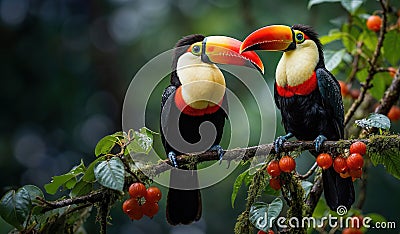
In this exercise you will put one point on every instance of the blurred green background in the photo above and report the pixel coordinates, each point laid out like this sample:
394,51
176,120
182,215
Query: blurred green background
66,65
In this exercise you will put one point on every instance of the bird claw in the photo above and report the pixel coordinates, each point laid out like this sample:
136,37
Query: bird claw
278,143
319,141
172,159
219,150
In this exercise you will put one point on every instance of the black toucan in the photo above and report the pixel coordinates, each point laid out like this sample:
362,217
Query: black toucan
308,96
193,113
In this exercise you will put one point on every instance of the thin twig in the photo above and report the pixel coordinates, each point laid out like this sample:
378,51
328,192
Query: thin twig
89,198
355,65
391,95
308,173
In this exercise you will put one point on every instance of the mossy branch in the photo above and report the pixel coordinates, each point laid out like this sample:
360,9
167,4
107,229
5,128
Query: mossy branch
248,153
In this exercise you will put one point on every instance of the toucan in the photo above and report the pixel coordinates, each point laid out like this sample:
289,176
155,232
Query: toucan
194,108
308,96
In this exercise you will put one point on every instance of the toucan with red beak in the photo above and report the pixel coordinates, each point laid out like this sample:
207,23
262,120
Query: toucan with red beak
308,96
194,109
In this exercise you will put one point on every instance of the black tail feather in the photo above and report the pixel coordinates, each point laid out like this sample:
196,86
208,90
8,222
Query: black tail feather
183,206
338,191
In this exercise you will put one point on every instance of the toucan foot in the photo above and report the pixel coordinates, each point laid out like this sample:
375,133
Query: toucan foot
278,143
172,159
219,150
319,141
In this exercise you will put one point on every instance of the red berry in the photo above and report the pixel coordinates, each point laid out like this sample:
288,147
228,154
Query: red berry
153,194
394,113
354,93
275,183
273,168
150,208
136,214
137,190
358,147
392,71
261,232
351,231
374,23
287,164
344,90
129,205
324,160
339,164
355,161
132,208
271,232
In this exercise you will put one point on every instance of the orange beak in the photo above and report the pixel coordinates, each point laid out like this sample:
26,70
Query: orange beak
271,38
225,50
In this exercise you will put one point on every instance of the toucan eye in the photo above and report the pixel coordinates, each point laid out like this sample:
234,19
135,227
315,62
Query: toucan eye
299,37
196,50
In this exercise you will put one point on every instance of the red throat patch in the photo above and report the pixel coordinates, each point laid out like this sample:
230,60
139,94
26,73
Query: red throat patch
302,89
188,110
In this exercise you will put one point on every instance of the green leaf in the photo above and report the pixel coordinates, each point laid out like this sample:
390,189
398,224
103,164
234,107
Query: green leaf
352,5
15,207
89,173
391,47
262,214
350,33
236,186
333,35
321,209
57,182
315,2
81,188
110,173
362,75
105,145
70,183
33,191
307,185
379,84
390,158
143,141
68,180
374,121
376,217
369,38
333,58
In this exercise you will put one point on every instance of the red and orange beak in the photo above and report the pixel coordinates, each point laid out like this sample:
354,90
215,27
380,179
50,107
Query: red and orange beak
225,50
272,38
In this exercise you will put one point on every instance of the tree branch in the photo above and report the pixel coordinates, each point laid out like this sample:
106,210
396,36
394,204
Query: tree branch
391,95
372,70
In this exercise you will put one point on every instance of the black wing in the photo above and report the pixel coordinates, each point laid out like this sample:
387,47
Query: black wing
165,109
332,98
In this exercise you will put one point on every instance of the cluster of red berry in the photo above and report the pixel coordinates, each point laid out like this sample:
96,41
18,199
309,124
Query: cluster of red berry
142,201
275,167
346,167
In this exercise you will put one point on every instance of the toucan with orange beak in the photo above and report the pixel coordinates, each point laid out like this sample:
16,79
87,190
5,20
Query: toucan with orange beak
308,96
194,109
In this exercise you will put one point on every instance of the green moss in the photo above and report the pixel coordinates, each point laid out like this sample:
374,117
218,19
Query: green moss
295,198
258,184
